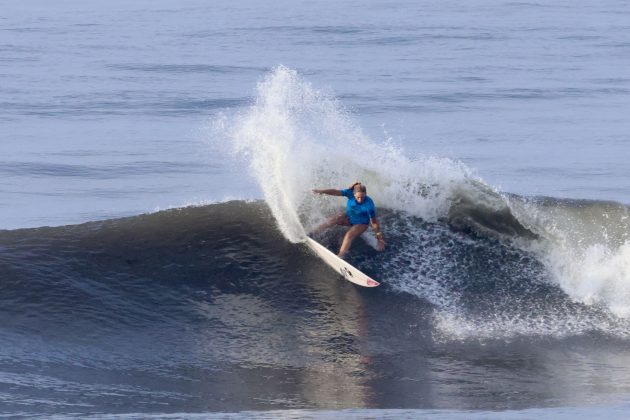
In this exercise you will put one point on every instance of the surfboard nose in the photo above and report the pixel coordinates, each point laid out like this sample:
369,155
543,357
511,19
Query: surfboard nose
372,283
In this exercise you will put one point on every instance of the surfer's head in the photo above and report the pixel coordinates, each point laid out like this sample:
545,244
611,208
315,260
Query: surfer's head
359,191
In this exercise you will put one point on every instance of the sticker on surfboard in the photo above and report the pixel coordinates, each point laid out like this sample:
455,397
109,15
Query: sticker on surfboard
348,272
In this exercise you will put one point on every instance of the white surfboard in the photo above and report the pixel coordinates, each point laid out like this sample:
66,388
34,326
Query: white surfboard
346,270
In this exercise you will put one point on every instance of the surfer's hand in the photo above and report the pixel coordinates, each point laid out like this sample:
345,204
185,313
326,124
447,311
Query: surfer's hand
380,245
317,191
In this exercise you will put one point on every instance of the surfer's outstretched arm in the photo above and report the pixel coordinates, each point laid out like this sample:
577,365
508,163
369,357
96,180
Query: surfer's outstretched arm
329,191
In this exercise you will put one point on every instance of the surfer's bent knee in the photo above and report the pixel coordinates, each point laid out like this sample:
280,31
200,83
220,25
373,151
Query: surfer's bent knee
357,229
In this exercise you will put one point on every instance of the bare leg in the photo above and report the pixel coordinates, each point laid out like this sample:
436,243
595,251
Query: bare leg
351,234
338,219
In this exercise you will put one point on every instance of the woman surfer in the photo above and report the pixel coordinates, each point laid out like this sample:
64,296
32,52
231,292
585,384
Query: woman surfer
360,213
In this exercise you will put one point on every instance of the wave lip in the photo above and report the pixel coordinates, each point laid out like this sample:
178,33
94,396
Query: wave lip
295,138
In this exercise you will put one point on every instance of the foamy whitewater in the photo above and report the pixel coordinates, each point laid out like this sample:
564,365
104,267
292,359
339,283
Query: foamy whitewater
157,161
296,138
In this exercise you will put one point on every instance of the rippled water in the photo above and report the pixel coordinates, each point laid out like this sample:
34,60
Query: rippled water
105,108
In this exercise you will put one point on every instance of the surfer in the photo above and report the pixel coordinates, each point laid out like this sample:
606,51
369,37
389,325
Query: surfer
360,213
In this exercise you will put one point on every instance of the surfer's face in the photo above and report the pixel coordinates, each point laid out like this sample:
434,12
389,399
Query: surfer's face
359,196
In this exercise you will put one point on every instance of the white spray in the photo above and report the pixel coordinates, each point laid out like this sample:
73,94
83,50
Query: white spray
586,247
297,138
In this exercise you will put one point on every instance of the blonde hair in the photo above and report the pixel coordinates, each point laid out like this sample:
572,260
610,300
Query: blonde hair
358,187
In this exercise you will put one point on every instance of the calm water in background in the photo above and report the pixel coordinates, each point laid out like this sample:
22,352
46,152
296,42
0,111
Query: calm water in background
104,107
112,110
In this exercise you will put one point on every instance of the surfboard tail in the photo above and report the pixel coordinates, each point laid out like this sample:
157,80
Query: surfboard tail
372,283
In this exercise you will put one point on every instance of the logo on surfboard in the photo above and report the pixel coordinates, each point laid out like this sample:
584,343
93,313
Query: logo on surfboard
347,274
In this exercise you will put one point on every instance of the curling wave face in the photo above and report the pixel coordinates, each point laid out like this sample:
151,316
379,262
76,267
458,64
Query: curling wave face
481,281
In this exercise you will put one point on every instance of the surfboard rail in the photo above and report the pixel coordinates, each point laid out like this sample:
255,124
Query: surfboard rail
350,273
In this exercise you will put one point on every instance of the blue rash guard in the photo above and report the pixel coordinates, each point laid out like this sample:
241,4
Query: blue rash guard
359,214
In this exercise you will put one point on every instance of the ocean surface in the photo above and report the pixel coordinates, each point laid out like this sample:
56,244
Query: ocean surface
156,166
